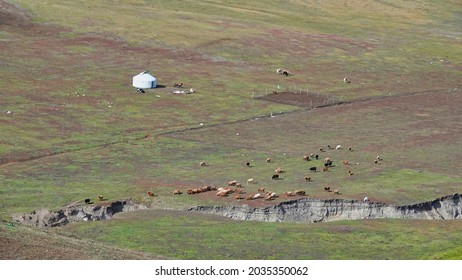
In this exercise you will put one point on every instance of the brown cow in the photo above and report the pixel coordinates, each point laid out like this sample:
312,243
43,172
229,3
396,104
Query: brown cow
336,191
307,178
150,193
177,192
261,189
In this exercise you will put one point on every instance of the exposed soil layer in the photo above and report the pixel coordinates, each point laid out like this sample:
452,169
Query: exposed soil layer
305,210
309,210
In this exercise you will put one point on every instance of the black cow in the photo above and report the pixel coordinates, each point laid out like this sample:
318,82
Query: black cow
275,177
87,201
313,168
140,90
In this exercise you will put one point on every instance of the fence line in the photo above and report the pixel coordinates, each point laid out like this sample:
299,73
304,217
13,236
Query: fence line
327,99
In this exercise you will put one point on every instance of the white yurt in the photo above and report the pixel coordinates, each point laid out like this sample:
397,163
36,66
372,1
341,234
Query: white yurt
144,80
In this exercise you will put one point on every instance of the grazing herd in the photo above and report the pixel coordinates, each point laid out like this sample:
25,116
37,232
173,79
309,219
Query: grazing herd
237,191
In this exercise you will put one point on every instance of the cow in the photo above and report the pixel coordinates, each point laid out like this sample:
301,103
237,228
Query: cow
275,177
202,163
306,158
140,90
366,199
313,169
279,170
177,192
327,189
178,85
87,201
150,193
100,197
325,169
261,189
336,191
268,160
250,181
307,178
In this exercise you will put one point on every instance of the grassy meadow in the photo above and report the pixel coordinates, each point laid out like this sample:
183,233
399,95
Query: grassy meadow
77,128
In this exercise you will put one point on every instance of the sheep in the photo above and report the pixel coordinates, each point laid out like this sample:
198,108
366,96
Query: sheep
327,189
238,190
345,162
177,192
261,189
376,161
202,163
150,193
250,181
327,160
275,177
307,178
302,193
140,90
237,197
87,201
289,194
222,194
313,169
100,197
330,147
325,169
338,147
283,72
321,149
205,189
350,149
366,199
279,170
349,172
232,183
306,158
336,191
268,160
379,158
178,85
346,80
249,197
258,195
247,164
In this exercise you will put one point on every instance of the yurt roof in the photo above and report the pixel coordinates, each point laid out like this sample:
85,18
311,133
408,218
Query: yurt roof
144,76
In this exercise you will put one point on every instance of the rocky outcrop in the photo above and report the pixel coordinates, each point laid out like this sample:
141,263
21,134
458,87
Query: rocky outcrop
46,218
311,210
